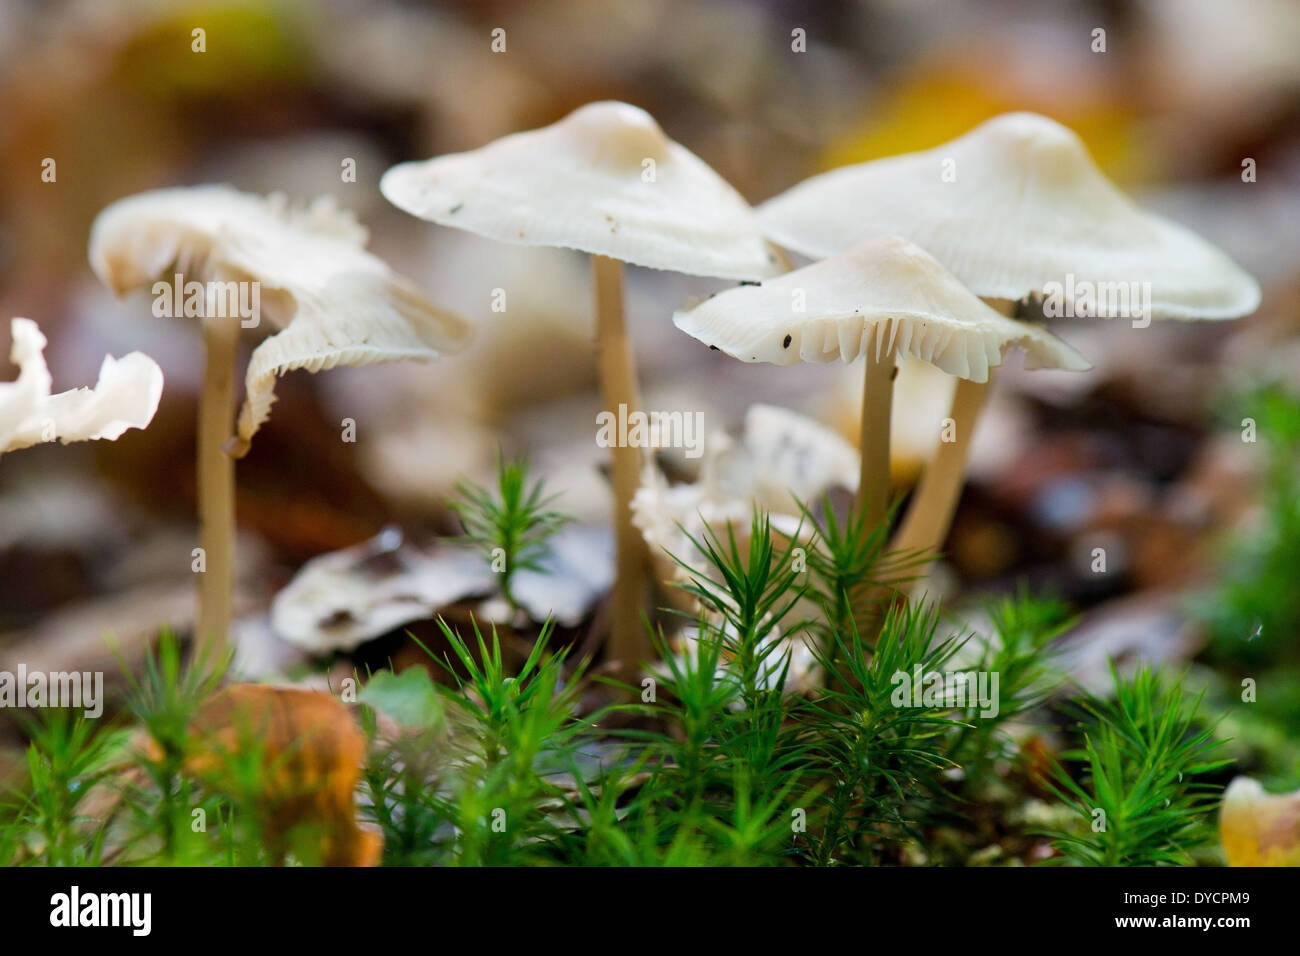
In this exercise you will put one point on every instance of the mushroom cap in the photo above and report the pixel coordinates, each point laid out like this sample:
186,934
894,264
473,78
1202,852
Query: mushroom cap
783,458
125,396
787,656
336,303
917,307
795,458
585,183
1027,207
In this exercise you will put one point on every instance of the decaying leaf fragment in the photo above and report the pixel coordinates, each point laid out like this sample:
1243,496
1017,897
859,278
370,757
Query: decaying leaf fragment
782,458
125,396
311,755
1258,828
340,600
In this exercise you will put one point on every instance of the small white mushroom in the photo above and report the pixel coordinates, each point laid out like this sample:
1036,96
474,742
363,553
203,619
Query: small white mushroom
783,458
334,302
882,298
1016,208
1010,208
125,396
604,180
803,675
794,458
249,257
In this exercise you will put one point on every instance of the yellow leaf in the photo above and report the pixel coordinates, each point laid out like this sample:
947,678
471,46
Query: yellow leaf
1258,828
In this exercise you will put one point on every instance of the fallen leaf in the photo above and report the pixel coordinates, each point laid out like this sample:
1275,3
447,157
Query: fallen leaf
1258,828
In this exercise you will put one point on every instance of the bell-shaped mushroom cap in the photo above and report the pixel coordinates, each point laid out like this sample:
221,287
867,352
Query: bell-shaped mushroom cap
824,312
1010,208
336,303
126,396
604,180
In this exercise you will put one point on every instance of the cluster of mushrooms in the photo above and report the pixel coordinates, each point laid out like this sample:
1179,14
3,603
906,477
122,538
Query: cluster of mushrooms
927,255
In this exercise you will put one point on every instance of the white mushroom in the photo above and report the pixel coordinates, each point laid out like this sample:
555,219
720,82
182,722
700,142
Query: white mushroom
604,180
778,652
883,298
1015,208
336,303
607,181
125,396
794,458
231,258
1010,208
781,460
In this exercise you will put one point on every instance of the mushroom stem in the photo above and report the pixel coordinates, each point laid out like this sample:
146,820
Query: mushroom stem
877,406
618,383
216,486
929,515
782,257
